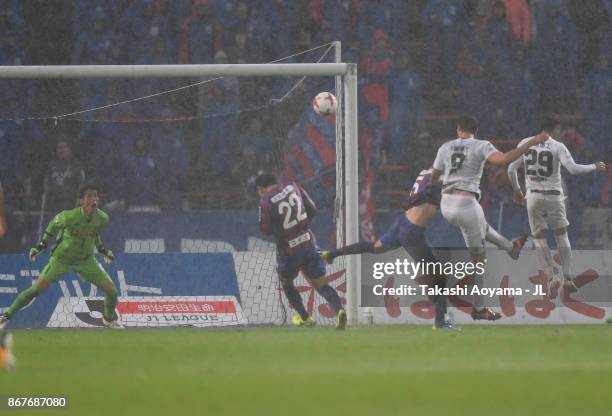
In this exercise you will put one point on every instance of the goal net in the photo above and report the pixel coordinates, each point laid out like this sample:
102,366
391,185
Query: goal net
175,156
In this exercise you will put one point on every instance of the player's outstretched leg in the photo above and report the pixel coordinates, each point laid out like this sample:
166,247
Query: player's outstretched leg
356,248
486,314
23,299
295,300
513,248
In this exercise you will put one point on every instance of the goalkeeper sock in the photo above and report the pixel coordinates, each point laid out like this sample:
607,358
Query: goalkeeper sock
356,248
24,298
295,300
331,296
492,236
110,302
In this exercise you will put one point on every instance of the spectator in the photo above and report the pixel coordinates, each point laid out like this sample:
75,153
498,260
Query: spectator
476,67
149,33
218,129
376,64
556,59
201,35
98,43
277,26
597,106
497,31
331,16
65,176
447,25
592,22
406,98
518,95
174,164
141,172
519,18
2,213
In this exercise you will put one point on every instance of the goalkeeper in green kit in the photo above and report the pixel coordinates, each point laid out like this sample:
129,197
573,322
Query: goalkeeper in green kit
77,233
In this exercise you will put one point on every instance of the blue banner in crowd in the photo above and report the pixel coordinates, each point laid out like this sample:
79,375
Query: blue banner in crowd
168,274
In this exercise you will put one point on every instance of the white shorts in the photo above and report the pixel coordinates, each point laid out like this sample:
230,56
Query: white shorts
466,213
544,213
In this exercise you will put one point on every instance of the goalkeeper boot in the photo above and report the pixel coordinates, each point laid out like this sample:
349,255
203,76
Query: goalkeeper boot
327,258
517,246
298,321
112,324
3,320
486,314
341,320
7,359
569,286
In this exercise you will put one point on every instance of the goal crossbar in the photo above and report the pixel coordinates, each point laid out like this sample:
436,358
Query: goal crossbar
171,71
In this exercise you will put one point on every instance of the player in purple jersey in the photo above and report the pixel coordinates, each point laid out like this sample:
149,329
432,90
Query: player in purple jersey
285,211
408,231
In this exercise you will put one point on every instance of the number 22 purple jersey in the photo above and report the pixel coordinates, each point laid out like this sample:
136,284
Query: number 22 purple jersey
285,212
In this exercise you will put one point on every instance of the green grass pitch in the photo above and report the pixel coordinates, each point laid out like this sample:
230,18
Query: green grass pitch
395,370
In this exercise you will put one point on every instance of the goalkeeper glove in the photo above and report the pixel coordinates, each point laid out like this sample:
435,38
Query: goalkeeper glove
37,249
108,254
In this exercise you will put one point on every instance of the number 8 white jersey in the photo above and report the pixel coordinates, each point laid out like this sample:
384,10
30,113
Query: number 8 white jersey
462,161
542,165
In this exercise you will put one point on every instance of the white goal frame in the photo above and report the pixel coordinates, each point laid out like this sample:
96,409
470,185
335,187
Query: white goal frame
346,76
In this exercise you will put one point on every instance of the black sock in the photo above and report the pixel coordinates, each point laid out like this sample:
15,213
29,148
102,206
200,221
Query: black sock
295,300
331,296
440,302
356,248
440,306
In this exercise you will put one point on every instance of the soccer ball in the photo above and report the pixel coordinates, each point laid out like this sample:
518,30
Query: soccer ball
325,103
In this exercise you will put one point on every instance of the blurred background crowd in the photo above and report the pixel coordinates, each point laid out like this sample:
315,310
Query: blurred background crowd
420,63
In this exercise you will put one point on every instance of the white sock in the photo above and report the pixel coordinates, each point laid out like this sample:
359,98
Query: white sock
492,236
565,253
543,253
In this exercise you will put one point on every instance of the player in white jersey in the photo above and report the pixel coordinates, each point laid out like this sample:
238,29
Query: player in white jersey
546,199
460,163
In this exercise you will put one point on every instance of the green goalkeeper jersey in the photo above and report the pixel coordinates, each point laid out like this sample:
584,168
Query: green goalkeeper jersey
76,234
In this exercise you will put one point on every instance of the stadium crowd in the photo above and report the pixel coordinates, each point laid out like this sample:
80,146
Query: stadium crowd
420,63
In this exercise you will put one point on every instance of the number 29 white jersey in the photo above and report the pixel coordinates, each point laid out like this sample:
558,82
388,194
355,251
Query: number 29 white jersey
462,161
542,164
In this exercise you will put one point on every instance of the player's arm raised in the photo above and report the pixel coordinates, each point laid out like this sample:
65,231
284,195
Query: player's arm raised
574,168
518,196
503,159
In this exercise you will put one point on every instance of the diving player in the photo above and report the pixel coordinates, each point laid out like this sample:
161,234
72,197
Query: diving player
77,234
408,231
285,211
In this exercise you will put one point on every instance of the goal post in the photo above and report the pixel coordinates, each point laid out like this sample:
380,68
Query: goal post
346,124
